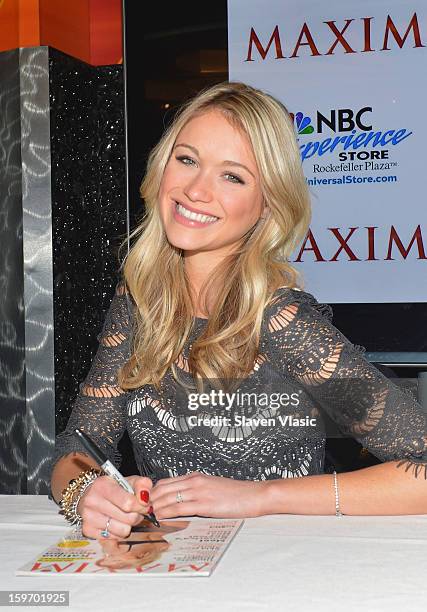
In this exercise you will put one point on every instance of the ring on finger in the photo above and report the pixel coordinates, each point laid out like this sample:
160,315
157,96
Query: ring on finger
105,533
179,498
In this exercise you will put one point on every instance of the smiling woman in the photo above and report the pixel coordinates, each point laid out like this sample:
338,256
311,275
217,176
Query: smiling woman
209,299
232,156
200,190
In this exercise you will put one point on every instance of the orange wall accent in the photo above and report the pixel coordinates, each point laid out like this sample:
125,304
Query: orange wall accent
64,24
90,30
106,32
9,24
29,23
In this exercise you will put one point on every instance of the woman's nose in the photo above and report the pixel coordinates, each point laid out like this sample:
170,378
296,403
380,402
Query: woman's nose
198,189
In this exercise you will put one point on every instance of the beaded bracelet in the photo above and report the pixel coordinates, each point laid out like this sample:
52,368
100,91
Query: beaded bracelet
337,497
73,493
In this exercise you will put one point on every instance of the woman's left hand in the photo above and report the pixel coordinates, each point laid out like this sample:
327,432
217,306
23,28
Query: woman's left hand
210,496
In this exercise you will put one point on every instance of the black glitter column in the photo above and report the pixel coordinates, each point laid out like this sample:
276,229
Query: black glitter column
88,211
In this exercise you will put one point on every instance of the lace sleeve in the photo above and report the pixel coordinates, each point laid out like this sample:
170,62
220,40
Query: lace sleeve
99,409
353,393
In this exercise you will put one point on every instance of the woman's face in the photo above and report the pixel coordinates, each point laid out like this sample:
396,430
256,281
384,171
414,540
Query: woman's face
130,553
212,173
144,545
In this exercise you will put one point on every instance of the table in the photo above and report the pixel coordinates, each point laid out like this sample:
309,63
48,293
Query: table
281,562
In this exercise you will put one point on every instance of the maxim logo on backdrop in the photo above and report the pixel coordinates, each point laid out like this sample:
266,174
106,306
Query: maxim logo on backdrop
368,249
371,36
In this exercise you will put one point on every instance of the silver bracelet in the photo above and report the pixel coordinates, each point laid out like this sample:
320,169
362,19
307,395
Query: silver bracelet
337,497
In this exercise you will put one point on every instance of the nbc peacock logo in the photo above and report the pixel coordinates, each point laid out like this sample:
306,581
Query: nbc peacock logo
302,123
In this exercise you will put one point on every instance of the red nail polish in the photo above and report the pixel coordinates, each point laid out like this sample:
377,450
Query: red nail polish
150,509
145,496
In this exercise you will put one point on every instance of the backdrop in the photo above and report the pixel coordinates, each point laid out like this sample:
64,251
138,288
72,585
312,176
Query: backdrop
353,75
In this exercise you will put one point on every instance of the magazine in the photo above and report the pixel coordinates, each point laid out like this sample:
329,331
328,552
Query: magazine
190,547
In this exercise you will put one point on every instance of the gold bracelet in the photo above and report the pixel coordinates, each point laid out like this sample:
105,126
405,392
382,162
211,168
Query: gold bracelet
72,494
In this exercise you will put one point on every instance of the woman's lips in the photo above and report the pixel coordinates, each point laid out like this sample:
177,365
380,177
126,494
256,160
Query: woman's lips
189,222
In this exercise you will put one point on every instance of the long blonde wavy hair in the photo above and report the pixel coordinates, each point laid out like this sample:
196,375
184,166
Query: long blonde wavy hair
241,285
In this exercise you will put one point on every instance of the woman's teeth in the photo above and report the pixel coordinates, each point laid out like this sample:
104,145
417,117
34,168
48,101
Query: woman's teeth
194,216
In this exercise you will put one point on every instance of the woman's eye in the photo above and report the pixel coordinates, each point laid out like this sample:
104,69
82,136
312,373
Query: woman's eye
233,178
187,161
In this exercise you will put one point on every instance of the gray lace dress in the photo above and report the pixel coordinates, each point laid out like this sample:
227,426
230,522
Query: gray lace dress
308,381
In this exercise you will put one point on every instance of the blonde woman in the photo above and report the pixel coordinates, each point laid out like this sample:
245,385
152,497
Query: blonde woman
208,298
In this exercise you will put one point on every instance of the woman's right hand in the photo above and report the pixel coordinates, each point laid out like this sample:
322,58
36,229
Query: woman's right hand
105,499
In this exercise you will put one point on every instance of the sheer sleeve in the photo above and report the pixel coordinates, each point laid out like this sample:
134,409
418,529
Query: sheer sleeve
99,409
364,404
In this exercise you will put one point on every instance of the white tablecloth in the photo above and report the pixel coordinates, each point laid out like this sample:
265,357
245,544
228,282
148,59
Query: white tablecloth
286,562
